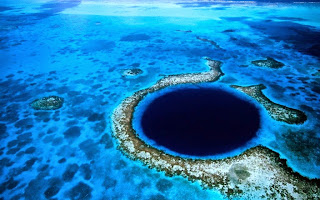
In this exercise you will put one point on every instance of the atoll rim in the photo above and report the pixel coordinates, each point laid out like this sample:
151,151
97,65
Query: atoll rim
256,173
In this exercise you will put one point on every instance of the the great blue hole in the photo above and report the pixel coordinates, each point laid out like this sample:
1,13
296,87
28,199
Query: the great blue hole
200,121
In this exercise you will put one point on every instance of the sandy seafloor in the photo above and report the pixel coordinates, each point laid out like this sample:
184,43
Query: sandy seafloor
79,50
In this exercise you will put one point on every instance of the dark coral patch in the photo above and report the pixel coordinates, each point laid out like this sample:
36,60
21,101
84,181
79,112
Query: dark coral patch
100,126
11,183
11,113
54,187
98,45
135,37
314,50
28,164
89,147
3,131
24,123
96,117
163,185
72,132
86,171
51,191
30,150
157,197
107,141
287,18
5,8
81,191
109,182
70,171
62,160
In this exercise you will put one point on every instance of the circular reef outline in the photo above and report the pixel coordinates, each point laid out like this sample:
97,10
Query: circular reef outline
257,173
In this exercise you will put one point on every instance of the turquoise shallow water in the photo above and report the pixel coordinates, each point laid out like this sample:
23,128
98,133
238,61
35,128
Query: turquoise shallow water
79,50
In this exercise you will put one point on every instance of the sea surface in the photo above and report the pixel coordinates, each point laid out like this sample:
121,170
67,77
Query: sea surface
79,50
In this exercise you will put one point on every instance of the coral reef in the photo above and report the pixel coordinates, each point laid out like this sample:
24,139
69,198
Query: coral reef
47,103
258,173
210,41
270,63
132,72
276,111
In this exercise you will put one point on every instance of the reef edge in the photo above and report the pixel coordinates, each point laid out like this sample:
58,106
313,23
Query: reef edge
258,172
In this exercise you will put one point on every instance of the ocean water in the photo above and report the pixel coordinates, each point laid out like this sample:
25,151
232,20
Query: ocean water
199,121
79,50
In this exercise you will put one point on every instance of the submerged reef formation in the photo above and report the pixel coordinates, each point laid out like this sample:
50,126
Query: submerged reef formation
316,73
258,173
184,31
132,72
47,103
276,111
270,63
210,41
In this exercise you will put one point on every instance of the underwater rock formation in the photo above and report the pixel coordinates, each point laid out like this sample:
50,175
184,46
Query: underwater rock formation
270,63
276,111
135,37
132,72
316,73
258,173
47,103
210,41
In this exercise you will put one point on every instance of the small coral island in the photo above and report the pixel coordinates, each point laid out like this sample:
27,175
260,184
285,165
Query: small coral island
47,103
132,72
257,173
269,63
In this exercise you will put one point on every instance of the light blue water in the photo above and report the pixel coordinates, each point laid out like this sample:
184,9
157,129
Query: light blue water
79,50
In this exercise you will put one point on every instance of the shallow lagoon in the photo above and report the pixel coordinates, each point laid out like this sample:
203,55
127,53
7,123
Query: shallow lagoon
79,51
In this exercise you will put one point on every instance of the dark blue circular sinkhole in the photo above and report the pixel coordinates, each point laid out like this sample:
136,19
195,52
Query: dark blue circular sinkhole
200,121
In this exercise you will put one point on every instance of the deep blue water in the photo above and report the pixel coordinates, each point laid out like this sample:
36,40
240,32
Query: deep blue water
79,50
200,122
